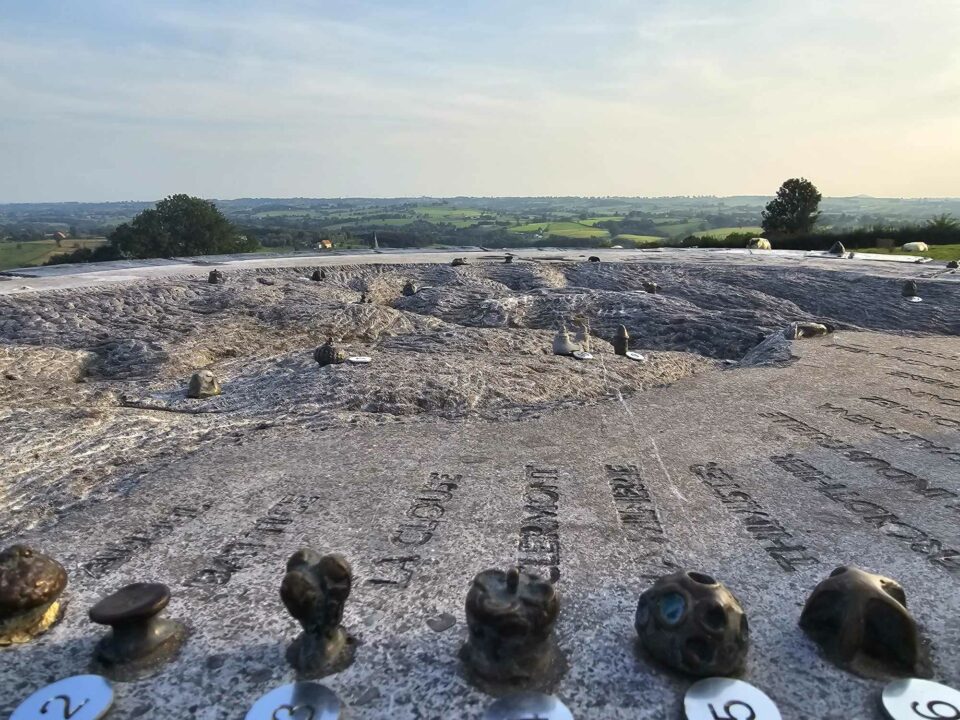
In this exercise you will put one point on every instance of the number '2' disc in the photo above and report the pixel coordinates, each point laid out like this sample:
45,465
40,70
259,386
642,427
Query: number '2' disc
915,699
728,699
81,697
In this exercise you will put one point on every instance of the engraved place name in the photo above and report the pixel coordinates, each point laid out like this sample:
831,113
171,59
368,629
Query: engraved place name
538,545
929,353
913,412
116,554
422,521
873,514
949,402
779,543
640,519
240,552
876,353
920,486
903,436
945,384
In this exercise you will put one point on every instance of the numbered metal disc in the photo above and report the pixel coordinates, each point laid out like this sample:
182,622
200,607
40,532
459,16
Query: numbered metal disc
358,359
582,355
297,701
81,697
728,699
914,298
635,356
528,706
916,699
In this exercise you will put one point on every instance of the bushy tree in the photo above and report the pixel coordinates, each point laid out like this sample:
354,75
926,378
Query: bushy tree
179,225
794,209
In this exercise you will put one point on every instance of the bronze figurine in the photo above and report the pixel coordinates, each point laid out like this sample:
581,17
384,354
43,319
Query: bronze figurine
31,584
203,384
329,354
621,341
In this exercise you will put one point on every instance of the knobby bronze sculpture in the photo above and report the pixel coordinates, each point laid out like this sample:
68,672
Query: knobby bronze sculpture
203,384
315,591
510,617
329,354
216,277
621,341
692,623
861,621
31,584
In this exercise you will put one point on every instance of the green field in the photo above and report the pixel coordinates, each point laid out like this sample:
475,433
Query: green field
723,232
937,252
562,229
37,252
640,239
595,220
681,229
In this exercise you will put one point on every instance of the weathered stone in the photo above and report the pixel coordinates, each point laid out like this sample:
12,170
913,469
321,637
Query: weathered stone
216,277
692,623
562,344
456,262
314,591
203,384
329,354
319,275
651,287
140,640
860,619
759,243
510,617
953,264
409,289
621,341
30,587
798,330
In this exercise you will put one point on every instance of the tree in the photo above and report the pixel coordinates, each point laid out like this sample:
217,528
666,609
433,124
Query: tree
179,225
794,210
943,223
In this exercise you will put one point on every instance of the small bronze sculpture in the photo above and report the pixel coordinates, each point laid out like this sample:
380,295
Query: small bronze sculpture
510,617
562,344
594,258
621,341
910,289
798,330
953,264
651,287
858,617
409,289
30,587
203,384
215,277
692,623
457,262
582,337
837,249
329,354
314,591
139,639
318,275
508,259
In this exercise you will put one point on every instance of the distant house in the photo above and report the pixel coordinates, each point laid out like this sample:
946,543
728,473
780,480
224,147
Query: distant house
59,236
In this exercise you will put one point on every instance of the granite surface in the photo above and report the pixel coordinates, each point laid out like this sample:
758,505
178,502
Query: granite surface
878,413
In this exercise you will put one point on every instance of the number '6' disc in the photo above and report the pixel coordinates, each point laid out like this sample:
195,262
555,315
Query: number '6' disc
728,699
81,697
915,699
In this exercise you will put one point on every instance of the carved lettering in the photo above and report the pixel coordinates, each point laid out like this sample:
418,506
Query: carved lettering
538,544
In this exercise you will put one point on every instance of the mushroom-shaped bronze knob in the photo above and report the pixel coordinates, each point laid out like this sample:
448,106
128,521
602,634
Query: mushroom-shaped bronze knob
621,341
910,288
457,262
694,624
329,354
139,638
510,616
215,277
30,587
203,384
315,591
860,619
508,259
318,275
409,288
651,287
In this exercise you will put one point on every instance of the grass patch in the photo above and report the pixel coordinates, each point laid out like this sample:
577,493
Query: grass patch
937,252
640,239
562,229
37,252
723,232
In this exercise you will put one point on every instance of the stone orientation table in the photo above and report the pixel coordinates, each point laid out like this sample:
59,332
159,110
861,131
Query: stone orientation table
766,478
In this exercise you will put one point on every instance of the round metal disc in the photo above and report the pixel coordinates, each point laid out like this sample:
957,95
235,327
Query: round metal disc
528,706
914,699
358,359
297,701
914,298
81,697
635,356
728,699
582,355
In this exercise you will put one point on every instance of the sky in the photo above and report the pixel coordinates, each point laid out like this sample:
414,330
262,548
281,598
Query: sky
134,100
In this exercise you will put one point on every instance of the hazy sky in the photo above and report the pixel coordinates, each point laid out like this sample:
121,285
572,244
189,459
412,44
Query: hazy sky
136,100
